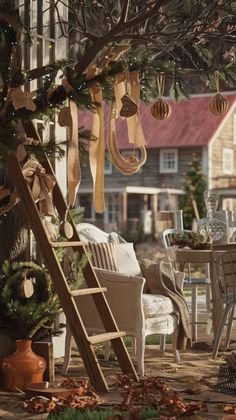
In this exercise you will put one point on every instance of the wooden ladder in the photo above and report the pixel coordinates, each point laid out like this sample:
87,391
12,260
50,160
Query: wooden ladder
83,340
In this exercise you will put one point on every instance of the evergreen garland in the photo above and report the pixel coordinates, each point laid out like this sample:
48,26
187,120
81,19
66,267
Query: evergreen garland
29,318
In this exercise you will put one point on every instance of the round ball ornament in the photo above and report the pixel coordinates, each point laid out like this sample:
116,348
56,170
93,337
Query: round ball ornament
218,104
161,110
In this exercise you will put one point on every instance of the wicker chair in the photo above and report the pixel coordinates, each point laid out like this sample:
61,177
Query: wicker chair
128,304
226,273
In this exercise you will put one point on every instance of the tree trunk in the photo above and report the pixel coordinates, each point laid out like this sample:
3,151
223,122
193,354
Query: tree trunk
13,229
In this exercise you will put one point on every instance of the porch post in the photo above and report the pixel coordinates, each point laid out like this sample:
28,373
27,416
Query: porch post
154,202
124,210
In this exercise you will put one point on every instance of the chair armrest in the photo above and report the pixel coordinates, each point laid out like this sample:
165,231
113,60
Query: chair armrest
120,279
124,296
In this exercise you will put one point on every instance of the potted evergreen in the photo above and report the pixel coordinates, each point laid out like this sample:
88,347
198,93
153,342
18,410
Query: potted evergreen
28,307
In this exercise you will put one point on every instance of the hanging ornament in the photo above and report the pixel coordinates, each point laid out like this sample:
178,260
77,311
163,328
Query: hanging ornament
22,99
66,229
218,104
26,288
160,110
64,117
127,165
129,106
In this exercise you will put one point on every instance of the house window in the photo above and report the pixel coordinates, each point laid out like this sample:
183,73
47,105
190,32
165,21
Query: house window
113,215
85,203
108,164
228,161
168,161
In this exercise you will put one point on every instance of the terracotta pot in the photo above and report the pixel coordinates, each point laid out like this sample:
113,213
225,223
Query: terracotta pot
23,367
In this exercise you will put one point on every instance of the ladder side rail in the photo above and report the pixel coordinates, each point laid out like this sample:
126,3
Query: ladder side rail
100,300
58,278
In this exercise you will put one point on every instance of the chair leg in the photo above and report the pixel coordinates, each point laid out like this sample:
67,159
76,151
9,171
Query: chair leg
209,325
162,343
68,342
140,340
194,313
220,330
174,345
229,327
134,345
208,298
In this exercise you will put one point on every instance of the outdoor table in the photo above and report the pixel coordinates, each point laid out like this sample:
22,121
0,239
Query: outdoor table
207,256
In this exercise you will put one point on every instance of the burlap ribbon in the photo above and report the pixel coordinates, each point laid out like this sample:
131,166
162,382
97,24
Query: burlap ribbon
135,131
96,150
127,165
73,162
41,185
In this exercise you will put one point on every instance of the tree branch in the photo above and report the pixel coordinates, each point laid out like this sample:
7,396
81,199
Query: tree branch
124,12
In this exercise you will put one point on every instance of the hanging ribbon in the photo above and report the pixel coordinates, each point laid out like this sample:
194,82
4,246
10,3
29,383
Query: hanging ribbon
97,150
127,165
69,116
135,131
41,185
73,162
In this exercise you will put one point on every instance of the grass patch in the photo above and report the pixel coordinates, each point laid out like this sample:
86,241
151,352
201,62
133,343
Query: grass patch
200,292
98,414
151,339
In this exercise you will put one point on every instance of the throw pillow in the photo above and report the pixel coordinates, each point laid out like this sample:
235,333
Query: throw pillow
126,260
151,272
103,255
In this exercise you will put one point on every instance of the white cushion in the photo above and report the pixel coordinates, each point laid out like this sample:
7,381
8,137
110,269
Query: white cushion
126,260
91,233
156,305
161,325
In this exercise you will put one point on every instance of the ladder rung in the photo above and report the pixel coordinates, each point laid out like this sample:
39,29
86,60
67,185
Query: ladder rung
99,338
67,244
88,291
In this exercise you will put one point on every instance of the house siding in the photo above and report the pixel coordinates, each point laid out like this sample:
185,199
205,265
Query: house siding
223,140
149,175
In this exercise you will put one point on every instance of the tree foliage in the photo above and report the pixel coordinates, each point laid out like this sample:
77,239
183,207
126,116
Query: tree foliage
183,39
194,187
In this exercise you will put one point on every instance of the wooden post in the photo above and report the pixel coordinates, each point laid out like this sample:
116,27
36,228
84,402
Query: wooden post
124,210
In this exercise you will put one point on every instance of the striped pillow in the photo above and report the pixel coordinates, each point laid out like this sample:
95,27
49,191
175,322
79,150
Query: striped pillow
103,255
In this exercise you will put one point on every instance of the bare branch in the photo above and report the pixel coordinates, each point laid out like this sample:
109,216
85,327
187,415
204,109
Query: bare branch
124,12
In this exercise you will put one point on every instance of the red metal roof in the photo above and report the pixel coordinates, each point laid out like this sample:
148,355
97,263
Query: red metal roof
190,124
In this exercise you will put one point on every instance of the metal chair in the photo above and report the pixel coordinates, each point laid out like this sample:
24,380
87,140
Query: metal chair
191,283
226,273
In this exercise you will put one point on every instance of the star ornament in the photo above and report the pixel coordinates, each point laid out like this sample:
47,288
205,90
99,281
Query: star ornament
22,99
